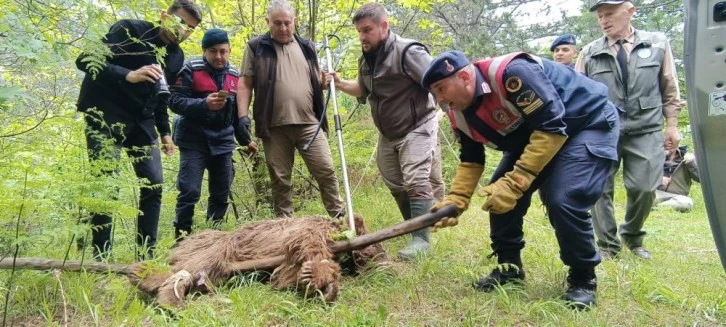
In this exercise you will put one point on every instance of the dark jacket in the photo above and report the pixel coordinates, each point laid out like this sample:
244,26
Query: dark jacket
264,81
197,127
119,100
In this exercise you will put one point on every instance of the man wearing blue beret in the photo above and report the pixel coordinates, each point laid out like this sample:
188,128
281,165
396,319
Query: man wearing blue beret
564,50
558,133
204,98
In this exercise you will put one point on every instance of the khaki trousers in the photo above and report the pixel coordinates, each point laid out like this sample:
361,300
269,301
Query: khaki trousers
280,156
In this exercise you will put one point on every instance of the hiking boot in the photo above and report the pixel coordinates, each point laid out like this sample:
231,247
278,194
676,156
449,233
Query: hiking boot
642,253
582,285
504,273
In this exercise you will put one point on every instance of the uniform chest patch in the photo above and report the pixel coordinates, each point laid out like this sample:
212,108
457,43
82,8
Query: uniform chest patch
500,116
644,53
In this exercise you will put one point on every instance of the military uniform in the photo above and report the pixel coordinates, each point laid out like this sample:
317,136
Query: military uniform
558,132
205,139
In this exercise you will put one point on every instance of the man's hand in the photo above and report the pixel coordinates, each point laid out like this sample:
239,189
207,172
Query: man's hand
327,77
148,73
672,138
251,148
465,181
503,194
215,102
242,133
167,145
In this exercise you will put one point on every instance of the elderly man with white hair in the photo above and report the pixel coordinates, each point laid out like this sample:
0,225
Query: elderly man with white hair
639,70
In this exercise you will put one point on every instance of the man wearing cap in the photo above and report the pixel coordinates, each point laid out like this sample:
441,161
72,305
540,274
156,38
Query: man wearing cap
125,104
639,71
203,97
558,133
282,71
564,50
389,75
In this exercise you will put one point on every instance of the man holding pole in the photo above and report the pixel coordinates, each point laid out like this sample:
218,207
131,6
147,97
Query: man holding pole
389,72
282,70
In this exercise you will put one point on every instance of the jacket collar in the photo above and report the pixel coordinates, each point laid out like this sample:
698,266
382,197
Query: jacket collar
636,37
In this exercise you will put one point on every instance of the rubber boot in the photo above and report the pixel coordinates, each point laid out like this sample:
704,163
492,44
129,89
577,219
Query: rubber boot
404,205
582,288
419,239
509,270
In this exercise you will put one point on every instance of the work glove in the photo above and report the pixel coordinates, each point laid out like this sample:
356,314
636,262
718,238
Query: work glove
465,181
242,131
502,195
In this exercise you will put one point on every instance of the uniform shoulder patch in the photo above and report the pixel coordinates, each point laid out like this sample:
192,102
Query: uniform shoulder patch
513,84
528,101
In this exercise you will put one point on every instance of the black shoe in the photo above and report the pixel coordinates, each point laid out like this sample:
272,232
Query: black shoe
607,254
642,253
582,288
502,274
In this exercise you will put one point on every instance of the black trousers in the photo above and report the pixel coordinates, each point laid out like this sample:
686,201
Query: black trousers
104,150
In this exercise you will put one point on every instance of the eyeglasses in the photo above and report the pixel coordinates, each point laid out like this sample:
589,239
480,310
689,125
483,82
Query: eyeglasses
179,22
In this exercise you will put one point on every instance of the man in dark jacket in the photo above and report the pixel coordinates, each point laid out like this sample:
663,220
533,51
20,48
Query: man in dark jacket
204,97
125,100
282,70
557,131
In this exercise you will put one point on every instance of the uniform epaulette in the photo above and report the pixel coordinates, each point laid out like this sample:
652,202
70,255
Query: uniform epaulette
196,63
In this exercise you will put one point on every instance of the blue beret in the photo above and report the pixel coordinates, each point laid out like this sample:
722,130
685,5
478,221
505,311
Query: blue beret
563,39
213,37
606,2
443,66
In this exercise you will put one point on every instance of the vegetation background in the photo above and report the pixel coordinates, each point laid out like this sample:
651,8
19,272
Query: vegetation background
46,190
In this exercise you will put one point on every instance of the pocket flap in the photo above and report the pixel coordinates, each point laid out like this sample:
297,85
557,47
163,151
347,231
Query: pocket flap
602,150
601,70
650,102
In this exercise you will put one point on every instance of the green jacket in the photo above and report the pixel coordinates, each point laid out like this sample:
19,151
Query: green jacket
642,104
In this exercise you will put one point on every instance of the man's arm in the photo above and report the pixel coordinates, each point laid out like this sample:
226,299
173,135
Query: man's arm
580,63
244,95
416,61
181,101
671,99
119,43
351,87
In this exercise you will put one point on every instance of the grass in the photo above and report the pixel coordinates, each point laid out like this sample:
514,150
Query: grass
683,286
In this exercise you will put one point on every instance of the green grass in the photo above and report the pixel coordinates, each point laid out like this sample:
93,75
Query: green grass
684,285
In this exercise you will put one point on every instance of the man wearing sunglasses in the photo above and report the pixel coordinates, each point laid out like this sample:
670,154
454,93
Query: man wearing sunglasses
125,102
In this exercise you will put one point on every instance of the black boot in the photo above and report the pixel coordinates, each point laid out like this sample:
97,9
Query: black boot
582,284
509,270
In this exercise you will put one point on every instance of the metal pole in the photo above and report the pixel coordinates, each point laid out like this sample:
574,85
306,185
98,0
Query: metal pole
339,132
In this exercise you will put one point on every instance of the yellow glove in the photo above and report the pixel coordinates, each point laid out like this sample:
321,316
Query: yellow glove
504,193
465,181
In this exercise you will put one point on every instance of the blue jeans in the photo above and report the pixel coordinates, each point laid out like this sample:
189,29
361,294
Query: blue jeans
147,165
189,183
